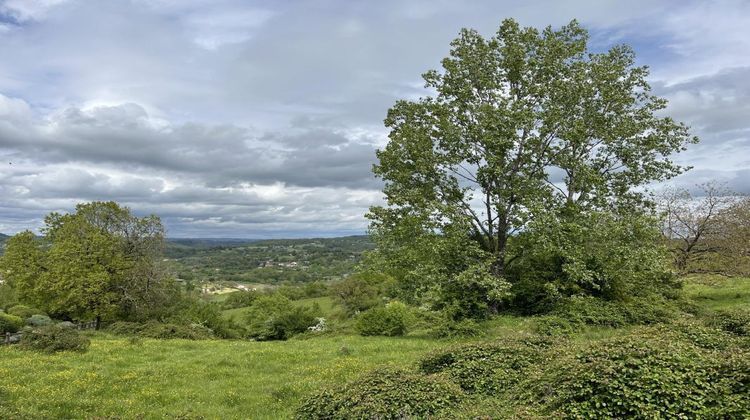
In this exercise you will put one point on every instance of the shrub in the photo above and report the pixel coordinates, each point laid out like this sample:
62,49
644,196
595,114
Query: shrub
24,312
590,311
10,323
555,326
39,320
383,394
275,317
52,338
361,291
125,328
161,330
170,331
240,299
455,329
486,368
734,321
649,310
648,374
611,256
389,320
192,311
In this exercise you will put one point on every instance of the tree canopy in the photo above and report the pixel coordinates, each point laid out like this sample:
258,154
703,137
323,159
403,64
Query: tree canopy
93,263
524,123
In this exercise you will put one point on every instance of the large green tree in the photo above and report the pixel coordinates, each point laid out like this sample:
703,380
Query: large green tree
100,261
520,124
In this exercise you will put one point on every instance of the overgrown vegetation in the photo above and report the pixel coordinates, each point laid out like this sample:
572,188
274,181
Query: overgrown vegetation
54,338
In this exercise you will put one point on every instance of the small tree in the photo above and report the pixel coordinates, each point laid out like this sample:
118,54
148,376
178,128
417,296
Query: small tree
694,226
97,262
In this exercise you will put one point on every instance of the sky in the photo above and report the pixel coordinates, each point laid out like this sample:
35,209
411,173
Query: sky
260,119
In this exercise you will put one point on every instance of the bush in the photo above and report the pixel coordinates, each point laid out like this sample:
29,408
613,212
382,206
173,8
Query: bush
160,330
734,321
274,317
10,323
383,394
39,320
125,328
555,326
457,329
614,257
24,311
361,291
486,368
590,310
170,331
191,311
240,299
389,320
52,338
648,374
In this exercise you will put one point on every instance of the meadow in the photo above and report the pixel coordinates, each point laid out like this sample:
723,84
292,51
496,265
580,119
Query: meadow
122,377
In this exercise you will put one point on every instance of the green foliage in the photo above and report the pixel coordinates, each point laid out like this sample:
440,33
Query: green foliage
24,311
385,393
474,293
556,326
734,321
650,374
240,299
167,331
486,368
279,261
613,257
450,328
471,164
361,291
101,262
153,329
274,317
10,323
8,295
190,311
53,338
390,320
39,320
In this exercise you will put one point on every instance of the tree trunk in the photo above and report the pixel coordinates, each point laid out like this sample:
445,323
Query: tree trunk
498,266
98,322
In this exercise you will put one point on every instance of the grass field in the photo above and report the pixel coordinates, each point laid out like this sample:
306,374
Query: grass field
719,292
180,378
144,378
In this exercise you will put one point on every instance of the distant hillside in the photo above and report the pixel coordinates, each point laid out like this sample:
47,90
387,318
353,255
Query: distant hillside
270,261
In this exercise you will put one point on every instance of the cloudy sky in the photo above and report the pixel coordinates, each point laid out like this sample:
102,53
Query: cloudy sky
260,118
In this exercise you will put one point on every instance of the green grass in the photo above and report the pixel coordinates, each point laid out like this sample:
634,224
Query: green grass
171,378
718,292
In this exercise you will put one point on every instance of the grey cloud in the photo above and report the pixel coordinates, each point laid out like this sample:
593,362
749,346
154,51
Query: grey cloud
242,118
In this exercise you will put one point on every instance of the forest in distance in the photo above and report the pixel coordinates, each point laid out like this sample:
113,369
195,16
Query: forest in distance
531,258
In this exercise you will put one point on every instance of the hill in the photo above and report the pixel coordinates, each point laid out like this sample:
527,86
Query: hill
266,261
